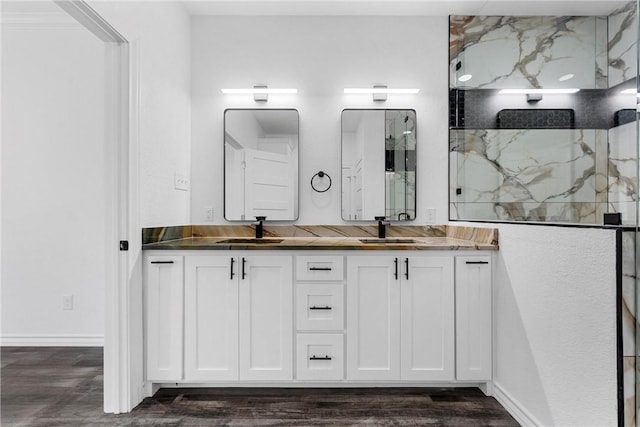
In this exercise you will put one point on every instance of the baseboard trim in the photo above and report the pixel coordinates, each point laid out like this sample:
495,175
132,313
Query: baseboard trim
514,407
52,341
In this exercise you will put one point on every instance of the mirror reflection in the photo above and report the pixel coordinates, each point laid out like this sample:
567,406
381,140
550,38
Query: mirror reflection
378,164
261,164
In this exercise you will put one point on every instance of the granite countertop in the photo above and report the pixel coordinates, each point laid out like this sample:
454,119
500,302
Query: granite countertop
321,238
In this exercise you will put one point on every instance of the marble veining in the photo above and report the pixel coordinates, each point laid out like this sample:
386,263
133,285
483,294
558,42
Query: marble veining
526,51
527,174
622,44
329,237
622,184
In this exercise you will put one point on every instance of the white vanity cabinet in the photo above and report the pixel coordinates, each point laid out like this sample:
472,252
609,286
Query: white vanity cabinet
320,317
473,318
392,316
211,318
238,318
163,317
400,318
266,317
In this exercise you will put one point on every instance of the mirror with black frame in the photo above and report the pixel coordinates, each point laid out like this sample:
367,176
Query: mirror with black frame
378,164
261,164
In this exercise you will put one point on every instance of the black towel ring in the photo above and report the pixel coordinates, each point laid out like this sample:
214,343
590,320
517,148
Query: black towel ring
320,174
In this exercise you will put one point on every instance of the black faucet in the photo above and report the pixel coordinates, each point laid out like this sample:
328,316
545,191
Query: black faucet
382,233
259,228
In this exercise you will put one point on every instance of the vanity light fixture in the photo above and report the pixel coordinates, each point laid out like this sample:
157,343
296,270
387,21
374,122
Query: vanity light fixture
537,91
379,92
259,92
465,77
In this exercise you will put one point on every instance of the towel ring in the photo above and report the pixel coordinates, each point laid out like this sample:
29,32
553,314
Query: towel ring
320,174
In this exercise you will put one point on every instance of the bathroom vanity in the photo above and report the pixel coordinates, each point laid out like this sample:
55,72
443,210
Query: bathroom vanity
297,308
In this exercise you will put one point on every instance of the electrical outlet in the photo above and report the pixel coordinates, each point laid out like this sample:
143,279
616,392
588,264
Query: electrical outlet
67,302
431,216
209,213
181,182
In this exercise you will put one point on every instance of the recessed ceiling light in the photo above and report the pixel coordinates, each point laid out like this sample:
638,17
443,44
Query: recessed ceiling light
541,91
566,77
465,77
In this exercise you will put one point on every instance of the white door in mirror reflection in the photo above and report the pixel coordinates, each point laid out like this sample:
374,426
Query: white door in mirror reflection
261,164
268,185
259,183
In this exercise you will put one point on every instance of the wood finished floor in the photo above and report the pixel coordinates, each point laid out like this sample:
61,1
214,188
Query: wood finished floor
54,386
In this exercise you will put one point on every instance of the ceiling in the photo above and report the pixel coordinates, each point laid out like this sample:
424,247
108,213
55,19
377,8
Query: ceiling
401,7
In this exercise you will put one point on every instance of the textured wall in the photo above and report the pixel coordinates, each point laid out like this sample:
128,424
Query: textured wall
555,330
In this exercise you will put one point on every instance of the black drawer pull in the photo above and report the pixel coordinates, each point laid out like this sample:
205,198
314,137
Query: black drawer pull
477,262
314,357
161,262
313,307
319,268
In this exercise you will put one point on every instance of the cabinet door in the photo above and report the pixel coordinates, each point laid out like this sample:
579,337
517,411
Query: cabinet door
211,318
266,318
473,318
373,318
427,319
164,317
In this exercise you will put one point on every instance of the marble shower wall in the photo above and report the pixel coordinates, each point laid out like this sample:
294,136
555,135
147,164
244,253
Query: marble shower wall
528,175
622,44
543,174
629,326
622,184
528,52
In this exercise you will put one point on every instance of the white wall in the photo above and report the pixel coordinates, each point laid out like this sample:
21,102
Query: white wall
554,287
554,320
320,56
159,33
53,210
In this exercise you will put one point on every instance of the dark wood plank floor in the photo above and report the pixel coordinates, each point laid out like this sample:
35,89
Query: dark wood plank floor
53,386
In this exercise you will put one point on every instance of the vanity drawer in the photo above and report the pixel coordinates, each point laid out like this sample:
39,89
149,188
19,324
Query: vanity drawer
319,307
320,357
319,268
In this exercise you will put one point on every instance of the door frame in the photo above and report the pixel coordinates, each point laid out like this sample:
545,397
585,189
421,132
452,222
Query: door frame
122,355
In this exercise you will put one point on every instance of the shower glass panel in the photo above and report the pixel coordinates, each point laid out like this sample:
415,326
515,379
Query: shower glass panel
540,129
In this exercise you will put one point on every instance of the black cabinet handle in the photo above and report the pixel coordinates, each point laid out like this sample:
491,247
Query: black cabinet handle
161,262
314,357
395,261
313,307
406,266
232,273
320,268
244,274
477,262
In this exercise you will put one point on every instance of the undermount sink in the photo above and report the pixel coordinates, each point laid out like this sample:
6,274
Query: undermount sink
250,240
385,240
